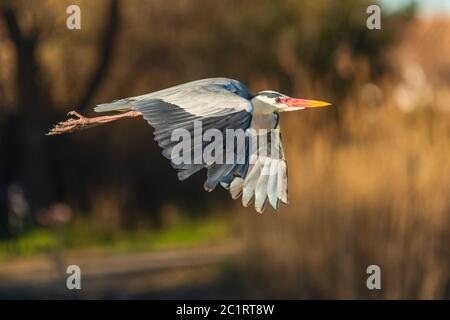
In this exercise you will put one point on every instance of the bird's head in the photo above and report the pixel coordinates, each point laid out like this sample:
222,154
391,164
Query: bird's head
279,102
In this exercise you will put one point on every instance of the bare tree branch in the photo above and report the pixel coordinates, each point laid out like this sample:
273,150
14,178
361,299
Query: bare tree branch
105,55
12,25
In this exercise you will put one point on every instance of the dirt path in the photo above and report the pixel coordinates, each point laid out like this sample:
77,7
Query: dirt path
174,273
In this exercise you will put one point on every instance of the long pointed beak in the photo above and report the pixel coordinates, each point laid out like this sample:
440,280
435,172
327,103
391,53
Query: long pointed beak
302,103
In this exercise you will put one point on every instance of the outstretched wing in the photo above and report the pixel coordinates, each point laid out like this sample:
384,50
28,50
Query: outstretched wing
266,179
218,103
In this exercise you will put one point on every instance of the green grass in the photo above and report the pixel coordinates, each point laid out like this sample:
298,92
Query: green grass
83,234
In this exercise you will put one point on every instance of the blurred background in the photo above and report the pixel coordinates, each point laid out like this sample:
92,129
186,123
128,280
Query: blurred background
369,178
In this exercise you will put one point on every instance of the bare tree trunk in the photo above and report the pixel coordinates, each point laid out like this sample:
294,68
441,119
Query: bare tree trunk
110,35
35,105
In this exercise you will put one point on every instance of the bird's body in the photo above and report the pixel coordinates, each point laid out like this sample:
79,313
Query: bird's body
219,104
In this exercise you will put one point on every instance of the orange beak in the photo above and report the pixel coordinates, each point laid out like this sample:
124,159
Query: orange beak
302,103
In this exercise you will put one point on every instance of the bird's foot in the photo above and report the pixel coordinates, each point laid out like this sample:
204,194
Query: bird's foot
78,122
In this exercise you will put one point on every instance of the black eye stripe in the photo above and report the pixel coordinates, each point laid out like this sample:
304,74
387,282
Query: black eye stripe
271,94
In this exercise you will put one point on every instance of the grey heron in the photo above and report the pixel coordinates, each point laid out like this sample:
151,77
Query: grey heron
220,103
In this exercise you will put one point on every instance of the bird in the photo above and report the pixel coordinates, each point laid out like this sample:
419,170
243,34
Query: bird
221,104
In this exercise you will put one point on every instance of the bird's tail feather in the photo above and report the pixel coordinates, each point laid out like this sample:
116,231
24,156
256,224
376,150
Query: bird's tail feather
117,105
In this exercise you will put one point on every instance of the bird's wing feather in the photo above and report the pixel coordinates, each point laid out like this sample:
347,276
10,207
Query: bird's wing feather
206,97
218,103
266,179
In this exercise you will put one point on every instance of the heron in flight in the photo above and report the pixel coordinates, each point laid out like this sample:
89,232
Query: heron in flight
219,103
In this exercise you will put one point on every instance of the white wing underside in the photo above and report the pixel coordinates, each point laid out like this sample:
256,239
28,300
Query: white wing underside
266,178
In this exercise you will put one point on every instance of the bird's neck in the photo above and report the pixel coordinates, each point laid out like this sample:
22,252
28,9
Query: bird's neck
263,115
261,106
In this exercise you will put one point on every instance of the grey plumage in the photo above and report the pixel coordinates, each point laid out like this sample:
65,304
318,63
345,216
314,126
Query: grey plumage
220,103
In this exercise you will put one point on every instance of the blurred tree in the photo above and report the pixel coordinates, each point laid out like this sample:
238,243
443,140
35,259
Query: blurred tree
34,105
318,48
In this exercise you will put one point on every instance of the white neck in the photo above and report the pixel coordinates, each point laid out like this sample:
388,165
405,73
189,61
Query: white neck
263,104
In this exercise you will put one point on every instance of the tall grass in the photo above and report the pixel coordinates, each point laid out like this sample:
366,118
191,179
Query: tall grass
376,190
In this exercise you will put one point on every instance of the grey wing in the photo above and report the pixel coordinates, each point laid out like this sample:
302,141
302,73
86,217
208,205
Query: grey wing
194,97
167,118
266,177
218,103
